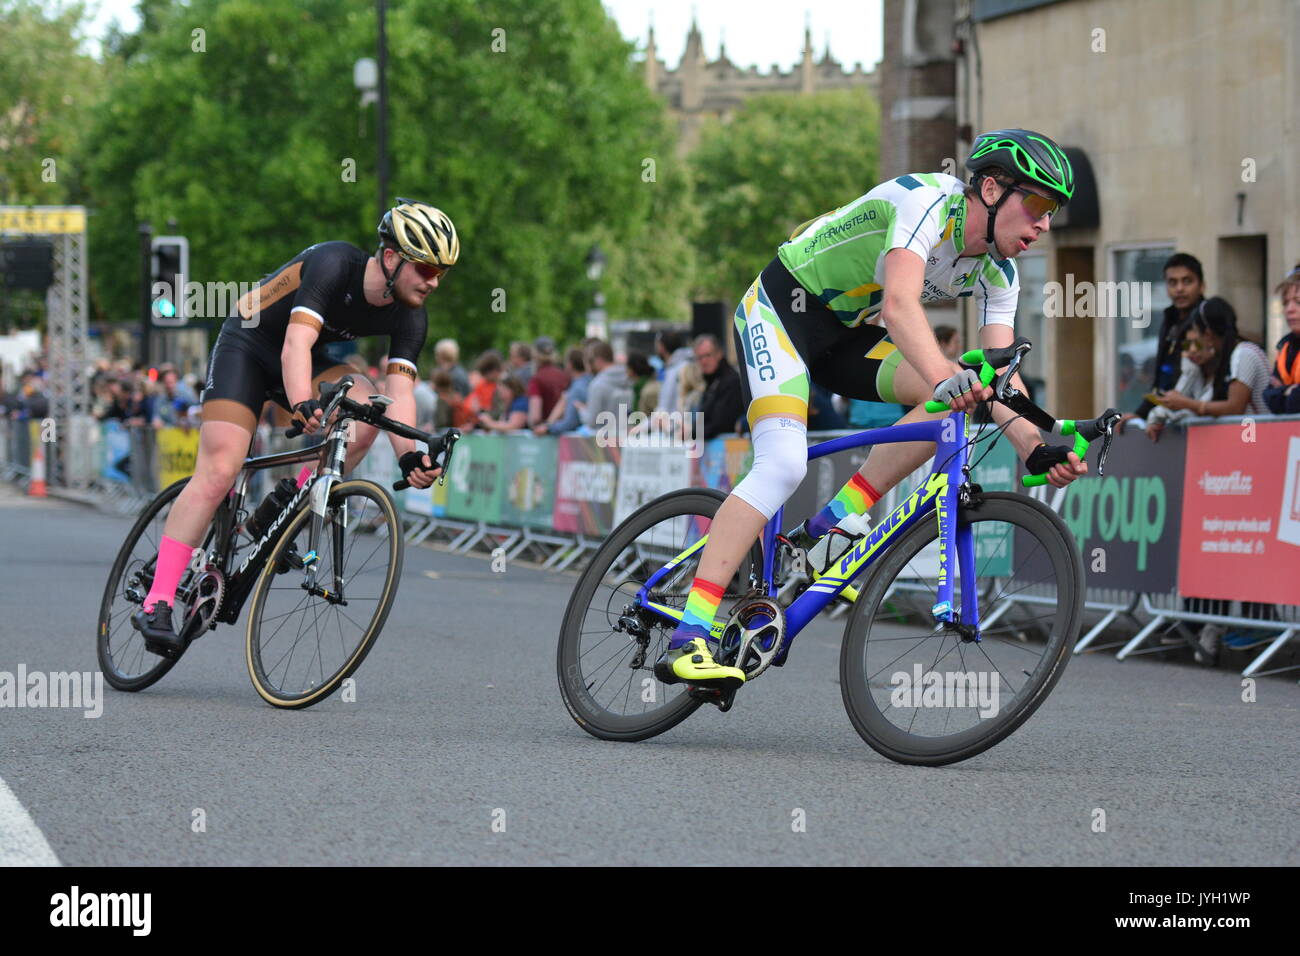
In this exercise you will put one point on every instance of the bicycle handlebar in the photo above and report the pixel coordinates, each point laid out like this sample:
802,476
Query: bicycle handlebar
988,361
334,395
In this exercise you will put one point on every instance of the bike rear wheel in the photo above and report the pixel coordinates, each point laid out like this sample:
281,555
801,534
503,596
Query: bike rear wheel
921,696
125,662
606,674
301,646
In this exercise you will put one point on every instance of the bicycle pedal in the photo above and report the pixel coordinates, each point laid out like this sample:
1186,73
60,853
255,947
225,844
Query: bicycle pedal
721,699
166,652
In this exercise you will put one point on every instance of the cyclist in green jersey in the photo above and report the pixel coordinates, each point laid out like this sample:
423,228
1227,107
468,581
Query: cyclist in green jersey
915,239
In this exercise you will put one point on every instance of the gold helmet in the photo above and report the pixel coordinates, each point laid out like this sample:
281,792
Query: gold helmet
420,233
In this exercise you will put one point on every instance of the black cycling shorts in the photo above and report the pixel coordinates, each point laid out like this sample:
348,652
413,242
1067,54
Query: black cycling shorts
244,372
857,362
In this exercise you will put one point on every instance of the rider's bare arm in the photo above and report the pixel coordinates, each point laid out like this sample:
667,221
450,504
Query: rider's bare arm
295,356
401,389
904,317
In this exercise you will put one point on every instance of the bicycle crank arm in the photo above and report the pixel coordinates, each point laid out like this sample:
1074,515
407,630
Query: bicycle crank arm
756,631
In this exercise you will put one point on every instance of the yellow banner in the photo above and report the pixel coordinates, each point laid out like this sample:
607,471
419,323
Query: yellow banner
177,450
57,220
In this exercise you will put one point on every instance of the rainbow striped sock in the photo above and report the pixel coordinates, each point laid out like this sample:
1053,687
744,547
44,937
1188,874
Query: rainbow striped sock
854,498
701,608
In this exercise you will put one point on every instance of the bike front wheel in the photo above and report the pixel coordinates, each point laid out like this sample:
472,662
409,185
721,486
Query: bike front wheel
303,644
920,693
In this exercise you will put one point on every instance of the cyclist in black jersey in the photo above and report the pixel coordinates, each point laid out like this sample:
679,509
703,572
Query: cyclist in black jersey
272,348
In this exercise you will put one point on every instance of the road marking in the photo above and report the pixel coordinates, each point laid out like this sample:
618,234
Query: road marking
21,841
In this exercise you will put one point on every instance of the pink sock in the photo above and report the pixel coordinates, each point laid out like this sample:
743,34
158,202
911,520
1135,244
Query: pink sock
173,556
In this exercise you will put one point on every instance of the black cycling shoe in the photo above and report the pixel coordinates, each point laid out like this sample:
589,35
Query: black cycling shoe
156,626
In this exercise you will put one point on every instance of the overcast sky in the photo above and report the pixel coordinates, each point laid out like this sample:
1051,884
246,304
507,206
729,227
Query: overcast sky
758,32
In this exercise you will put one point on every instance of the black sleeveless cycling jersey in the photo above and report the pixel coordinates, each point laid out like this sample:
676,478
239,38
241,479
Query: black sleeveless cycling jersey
321,287
324,283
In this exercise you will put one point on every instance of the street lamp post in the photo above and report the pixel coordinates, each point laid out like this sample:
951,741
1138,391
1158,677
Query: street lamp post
145,232
370,76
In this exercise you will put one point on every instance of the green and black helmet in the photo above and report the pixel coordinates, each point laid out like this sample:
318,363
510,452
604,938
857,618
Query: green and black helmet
1028,156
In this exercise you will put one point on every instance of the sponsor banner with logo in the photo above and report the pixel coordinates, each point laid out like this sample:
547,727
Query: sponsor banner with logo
529,475
709,470
738,458
645,473
721,463
1241,512
995,470
116,452
475,485
586,484
1126,522
177,450
428,502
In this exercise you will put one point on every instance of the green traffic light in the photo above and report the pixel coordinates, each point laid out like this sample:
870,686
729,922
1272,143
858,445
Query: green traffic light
166,308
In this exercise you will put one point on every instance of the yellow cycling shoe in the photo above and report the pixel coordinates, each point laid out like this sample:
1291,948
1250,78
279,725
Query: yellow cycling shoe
693,664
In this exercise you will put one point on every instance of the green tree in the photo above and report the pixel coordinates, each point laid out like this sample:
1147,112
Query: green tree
49,89
523,120
651,271
780,161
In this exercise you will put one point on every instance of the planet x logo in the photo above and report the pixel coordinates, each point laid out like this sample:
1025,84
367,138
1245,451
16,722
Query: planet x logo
75,909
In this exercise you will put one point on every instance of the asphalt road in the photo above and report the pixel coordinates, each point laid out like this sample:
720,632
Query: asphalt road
458,725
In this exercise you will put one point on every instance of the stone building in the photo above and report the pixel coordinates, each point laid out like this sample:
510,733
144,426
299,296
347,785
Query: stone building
1181,119
699,87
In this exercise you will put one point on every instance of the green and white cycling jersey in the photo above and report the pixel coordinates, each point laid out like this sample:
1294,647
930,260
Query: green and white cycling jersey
840,257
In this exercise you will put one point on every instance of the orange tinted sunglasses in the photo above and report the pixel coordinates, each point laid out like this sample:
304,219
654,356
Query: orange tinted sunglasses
1037,206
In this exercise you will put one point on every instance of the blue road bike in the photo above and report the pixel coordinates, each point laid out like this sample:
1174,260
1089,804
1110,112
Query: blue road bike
963,624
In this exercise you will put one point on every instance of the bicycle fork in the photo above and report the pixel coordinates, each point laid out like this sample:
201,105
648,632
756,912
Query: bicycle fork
330,475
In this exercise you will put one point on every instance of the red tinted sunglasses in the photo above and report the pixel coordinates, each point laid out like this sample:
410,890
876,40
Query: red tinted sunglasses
426,271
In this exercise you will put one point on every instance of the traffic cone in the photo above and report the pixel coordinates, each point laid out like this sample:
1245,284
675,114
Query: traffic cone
36,488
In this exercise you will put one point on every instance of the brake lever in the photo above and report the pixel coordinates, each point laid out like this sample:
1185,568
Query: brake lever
1108,436
448,442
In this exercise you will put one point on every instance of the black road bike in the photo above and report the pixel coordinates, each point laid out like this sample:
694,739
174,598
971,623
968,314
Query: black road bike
322,573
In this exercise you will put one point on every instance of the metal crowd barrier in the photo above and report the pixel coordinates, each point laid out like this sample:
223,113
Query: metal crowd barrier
1144,616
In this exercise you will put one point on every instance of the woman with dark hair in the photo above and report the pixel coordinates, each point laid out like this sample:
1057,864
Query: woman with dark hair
1223,374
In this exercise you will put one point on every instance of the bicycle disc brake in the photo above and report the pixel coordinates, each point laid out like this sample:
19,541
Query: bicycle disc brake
756,631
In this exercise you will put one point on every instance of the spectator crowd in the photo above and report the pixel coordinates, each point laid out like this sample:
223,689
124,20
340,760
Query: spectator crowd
1203,367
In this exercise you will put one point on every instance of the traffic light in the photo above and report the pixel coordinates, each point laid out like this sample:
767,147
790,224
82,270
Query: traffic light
168,273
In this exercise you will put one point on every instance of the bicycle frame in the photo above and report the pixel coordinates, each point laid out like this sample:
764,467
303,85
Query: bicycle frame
939,493
239,582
